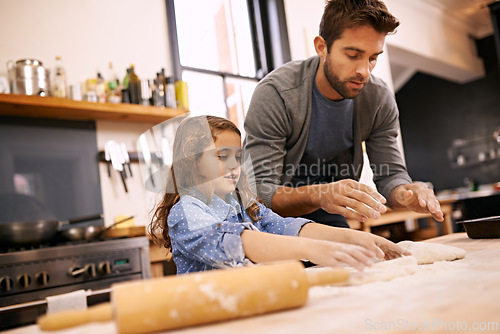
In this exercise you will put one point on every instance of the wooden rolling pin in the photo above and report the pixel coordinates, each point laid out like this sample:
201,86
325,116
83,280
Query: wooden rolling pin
181,301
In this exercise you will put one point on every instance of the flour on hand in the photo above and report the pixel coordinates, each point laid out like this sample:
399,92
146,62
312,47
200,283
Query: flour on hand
427,252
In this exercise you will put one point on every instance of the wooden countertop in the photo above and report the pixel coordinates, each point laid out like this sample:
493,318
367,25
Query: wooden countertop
438,296
465,291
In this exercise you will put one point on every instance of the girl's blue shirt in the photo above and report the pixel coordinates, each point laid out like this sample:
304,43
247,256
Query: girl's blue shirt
206,237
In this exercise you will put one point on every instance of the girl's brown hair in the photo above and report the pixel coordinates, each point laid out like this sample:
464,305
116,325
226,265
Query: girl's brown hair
343,14
192,136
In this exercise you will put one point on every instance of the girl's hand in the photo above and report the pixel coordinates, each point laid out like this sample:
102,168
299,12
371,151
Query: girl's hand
332,254
382,247
390,249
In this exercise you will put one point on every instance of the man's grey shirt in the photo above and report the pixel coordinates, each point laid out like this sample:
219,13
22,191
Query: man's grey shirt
278,121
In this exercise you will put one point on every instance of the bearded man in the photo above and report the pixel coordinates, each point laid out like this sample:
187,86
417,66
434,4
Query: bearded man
308,119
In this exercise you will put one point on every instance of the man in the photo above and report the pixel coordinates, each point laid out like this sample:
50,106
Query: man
307,121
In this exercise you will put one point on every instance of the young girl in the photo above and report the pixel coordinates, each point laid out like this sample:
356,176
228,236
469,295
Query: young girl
214,221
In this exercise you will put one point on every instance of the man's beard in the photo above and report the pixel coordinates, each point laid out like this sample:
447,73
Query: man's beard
340,86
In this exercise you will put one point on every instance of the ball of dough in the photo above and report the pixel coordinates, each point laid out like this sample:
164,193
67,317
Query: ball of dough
427,252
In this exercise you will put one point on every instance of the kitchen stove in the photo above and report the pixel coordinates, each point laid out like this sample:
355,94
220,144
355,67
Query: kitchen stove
30,274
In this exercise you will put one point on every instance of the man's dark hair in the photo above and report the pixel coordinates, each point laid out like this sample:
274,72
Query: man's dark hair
344,14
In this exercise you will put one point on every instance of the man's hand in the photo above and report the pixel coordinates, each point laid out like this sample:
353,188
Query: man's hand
417,197
351,199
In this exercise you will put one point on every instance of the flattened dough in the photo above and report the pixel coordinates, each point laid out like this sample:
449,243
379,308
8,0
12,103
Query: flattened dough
380,271
385,271
427,252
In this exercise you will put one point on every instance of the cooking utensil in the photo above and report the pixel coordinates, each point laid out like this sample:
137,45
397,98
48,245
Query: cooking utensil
28,77
125,232
117,160
146,155
193,299
107,157
29,232
89,232
37,231
482,228
126,157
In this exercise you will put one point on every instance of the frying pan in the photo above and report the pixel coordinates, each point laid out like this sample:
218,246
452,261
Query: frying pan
38,231
89,232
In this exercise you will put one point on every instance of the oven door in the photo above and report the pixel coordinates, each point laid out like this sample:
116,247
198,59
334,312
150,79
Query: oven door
28,277
26,313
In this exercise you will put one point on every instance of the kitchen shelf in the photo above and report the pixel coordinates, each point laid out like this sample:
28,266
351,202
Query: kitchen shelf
52,107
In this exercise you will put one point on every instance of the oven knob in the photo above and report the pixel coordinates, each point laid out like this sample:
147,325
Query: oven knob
90,270
6,283
105,268
24,280
76,271
42,278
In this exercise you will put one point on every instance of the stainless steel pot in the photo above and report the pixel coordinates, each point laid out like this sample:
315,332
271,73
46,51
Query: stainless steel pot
28,77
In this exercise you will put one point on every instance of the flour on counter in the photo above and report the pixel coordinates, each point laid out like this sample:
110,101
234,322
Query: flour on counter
381,271
403,266
385,271
380,276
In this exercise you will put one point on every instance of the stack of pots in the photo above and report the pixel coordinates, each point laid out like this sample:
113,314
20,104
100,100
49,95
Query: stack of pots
28,77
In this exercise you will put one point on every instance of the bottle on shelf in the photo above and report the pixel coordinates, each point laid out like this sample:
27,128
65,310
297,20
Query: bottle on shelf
134,87
59,80
124,90
113,93
164,82
113,85
152,87
159,91
181,95
100,88
126,78
111,74
170,93
90,90
145,92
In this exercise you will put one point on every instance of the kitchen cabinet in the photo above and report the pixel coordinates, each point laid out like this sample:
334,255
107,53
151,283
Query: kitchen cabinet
52,107
160,258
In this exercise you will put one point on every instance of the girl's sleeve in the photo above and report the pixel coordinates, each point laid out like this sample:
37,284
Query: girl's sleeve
205,238
273,223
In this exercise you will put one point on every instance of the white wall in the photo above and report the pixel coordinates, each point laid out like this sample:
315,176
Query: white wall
302,19
432,41
89,34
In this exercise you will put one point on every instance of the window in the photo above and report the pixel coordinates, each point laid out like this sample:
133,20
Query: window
221,48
